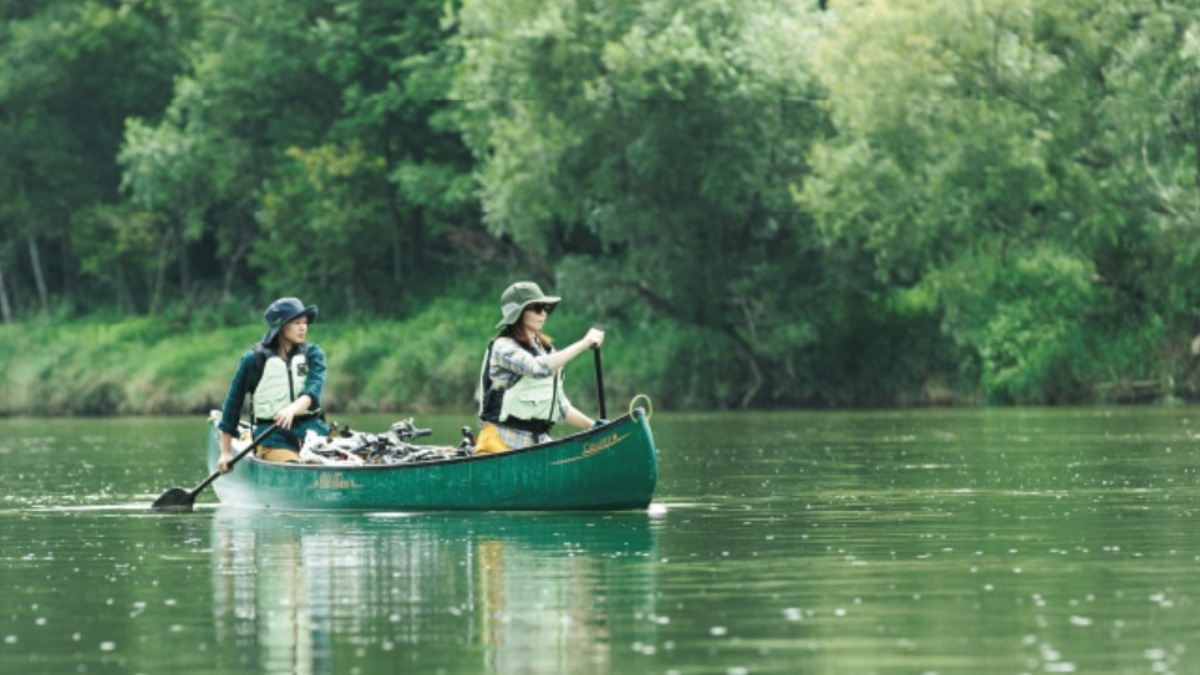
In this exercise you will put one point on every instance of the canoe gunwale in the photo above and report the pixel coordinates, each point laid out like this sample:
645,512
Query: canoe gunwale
544,447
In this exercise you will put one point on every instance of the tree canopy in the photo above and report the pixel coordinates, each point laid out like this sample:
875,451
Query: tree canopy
865,202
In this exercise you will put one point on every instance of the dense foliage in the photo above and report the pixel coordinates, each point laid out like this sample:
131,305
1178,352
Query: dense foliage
863,202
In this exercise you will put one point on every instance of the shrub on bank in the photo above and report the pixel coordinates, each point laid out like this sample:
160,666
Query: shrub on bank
144,366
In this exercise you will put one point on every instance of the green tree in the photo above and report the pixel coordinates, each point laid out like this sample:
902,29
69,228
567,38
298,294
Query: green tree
1018,166
644,152
304,149
391,181
70,72
251,91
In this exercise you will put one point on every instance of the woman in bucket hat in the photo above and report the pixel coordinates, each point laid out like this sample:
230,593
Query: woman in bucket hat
283,375
521,376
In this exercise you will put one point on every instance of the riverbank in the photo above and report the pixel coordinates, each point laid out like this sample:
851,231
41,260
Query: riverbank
152,366
429,363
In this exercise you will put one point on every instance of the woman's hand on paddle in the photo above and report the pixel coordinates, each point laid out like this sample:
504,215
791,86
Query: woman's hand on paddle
226,453
594,337
593,340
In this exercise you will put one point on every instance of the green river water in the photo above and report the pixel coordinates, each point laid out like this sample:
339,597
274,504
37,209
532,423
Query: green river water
940,541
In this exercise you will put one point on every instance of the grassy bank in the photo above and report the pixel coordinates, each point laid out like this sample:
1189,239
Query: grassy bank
149,366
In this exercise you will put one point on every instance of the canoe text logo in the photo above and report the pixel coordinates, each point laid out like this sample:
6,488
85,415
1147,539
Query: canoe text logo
595,447
333,481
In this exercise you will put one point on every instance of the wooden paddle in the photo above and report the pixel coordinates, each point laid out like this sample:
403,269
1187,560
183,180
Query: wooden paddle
600,384
180,500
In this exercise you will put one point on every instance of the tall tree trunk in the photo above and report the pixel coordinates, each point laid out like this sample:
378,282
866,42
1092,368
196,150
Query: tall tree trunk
160,275
231,268
397,258
185,263
128,303
389,160
5,306
39,278
69,267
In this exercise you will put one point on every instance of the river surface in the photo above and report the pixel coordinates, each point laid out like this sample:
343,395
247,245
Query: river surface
944,541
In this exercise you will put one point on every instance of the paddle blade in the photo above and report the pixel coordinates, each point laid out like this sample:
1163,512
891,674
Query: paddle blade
175,500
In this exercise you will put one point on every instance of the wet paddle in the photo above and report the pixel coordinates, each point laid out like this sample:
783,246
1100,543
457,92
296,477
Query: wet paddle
600,384
181,501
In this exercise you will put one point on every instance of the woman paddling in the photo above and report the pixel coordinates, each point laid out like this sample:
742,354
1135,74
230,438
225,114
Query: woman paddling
521,376
284,376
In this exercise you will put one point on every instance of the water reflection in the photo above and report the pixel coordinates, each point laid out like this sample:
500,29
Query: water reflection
502,593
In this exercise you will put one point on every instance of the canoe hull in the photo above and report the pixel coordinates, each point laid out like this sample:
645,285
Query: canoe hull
614,467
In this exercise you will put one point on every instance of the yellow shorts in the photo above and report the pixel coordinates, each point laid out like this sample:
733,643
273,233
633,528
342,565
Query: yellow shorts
489,441
277,454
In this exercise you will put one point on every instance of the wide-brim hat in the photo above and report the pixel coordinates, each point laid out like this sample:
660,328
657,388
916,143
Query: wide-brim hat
282,311
517,297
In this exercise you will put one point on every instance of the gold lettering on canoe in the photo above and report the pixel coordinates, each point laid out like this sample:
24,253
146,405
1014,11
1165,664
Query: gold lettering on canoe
595,447
333,481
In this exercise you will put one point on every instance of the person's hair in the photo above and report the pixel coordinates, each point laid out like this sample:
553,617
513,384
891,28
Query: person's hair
517,332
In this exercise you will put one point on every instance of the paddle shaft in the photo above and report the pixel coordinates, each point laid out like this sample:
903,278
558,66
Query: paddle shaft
236,458
180,500
600,383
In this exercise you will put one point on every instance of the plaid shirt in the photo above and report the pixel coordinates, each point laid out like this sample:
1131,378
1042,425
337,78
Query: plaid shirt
510,362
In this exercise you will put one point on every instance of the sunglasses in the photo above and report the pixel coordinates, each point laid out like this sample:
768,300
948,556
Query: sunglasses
539,307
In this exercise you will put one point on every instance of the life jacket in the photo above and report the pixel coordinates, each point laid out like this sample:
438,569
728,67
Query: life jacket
279,382
530,403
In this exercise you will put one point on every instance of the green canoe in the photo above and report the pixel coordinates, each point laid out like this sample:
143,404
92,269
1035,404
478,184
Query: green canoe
608,468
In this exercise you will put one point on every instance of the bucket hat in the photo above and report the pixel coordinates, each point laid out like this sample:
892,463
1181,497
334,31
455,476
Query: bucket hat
517,297
282,311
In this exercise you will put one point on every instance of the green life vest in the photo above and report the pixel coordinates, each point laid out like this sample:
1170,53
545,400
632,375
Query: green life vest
531,403
280,384
533,399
